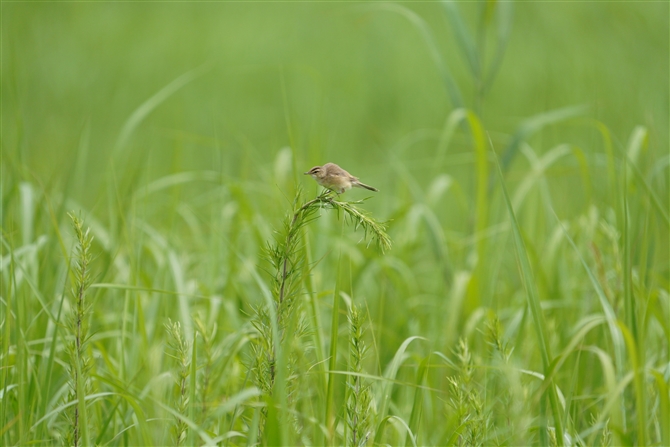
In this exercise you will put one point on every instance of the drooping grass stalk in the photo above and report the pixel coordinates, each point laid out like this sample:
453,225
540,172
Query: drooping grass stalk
80,363
285,252
289,271
285,258
359,396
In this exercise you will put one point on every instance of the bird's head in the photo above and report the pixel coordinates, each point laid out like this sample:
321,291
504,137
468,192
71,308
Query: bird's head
316,172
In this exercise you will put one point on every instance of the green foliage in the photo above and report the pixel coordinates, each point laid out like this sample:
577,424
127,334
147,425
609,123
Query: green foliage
521,154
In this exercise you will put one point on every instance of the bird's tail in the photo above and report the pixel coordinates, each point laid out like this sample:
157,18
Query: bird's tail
363,185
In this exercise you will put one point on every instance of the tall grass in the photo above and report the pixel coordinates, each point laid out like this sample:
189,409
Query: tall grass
204,292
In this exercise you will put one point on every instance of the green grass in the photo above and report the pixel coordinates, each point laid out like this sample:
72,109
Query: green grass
508,285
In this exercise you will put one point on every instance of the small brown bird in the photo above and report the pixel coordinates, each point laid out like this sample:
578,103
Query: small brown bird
333,177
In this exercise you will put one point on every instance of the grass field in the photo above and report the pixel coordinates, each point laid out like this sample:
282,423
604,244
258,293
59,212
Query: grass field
170,276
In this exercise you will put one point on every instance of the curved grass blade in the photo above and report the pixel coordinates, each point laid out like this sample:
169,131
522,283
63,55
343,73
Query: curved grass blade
150,104
538,168
453,120
415,417
664,406
532,125
386,388
463,37
638,383
410,435
427,34
505,13
637,139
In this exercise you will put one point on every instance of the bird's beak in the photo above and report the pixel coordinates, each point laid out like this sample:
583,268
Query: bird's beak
305,173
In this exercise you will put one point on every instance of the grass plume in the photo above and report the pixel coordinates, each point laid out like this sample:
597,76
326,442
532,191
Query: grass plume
80,361
179,351
358,396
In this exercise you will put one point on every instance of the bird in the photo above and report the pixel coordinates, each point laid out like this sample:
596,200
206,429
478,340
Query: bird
336,179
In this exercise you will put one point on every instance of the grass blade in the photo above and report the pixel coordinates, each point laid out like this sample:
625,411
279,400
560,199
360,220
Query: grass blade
465,41
638,384
532,125
505,14
386,388
415,417
637,139
332,363
425,31
192,398
664,406
535,308
148,106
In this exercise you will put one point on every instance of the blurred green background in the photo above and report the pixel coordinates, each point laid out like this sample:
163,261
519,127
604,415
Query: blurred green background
180,131
337,81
